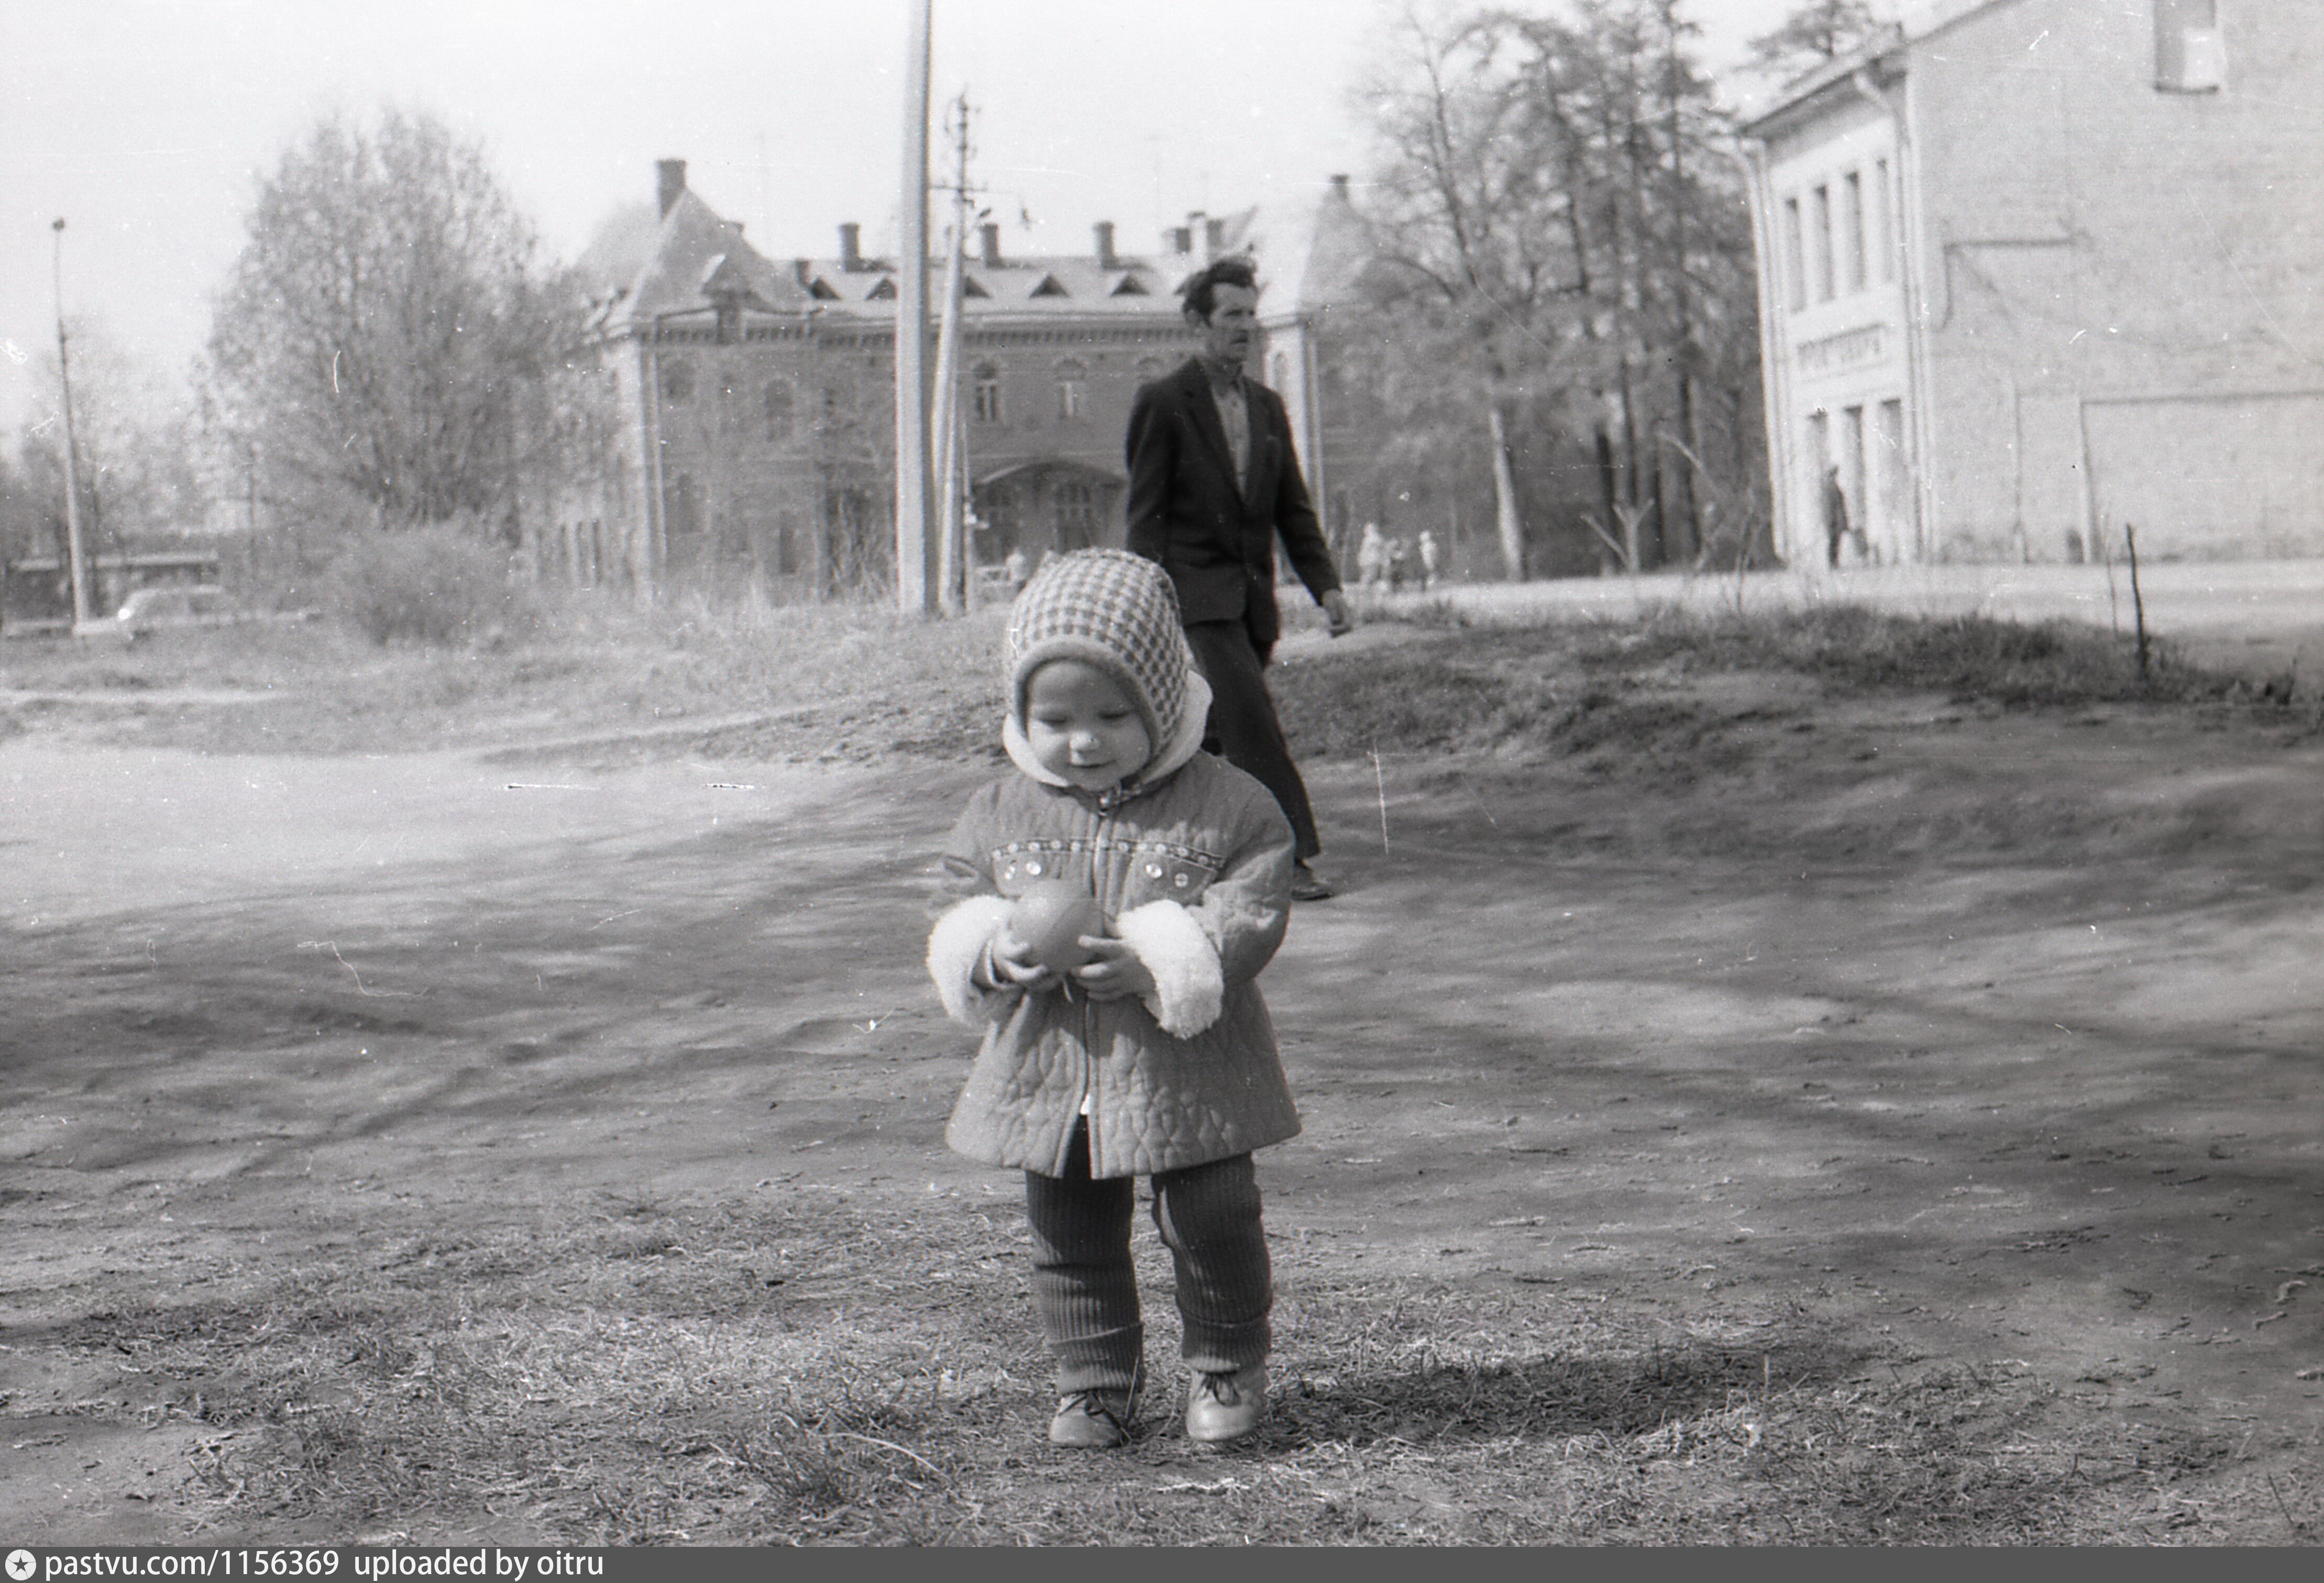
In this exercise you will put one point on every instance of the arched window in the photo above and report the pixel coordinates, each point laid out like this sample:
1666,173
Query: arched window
1149,370
1073,390
988,393
781,411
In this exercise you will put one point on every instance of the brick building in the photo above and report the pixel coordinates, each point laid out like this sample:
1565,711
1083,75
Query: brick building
752,401
2038,268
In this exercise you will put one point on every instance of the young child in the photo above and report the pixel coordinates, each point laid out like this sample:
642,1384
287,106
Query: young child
1155,1057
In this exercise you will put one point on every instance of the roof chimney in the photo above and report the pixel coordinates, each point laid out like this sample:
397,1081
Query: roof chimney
1178,239
1104,230
1215,239
669,180
1339,186
851,247
989,235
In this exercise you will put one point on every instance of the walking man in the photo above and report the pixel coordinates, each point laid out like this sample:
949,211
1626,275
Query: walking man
1213,481
1835,515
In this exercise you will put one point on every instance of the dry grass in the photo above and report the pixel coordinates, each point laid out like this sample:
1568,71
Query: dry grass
806,1370
595,681
1567,687
744,680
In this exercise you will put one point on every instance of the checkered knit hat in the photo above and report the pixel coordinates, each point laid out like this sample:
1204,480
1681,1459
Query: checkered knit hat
1113,610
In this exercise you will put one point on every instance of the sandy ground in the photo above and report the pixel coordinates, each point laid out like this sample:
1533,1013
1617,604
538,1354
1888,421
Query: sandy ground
1981,1037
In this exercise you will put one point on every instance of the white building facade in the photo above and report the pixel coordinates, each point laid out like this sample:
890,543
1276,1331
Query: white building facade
2036,271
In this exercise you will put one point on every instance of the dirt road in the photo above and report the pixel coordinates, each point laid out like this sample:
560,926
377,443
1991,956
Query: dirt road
1960,1037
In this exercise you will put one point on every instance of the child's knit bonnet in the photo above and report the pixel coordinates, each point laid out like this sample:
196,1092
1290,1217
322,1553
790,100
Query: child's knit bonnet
1118,613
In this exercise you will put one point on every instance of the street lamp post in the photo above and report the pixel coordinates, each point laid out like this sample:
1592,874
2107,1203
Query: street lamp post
73,449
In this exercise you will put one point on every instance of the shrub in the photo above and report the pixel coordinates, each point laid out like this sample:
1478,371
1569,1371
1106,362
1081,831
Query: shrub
434,585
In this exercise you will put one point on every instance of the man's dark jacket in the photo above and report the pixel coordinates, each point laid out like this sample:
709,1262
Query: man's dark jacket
1216,542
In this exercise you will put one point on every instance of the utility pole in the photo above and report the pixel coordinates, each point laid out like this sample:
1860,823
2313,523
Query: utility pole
915,582
77,569
950,435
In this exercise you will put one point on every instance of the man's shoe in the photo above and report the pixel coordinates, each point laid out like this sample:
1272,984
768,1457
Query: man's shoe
1096,1421
1307,885
1226,1406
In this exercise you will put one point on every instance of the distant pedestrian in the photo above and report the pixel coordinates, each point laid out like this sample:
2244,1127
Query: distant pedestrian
1835,516
1014,567
1427,560
1372,557
1399,564
1155,1056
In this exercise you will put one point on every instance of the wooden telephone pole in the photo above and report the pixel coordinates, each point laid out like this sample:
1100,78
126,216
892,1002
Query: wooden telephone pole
951,427
915,588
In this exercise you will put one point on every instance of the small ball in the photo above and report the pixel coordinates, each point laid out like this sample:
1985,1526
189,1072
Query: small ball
1050,917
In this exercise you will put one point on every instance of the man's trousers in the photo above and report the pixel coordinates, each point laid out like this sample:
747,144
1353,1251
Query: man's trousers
1243,728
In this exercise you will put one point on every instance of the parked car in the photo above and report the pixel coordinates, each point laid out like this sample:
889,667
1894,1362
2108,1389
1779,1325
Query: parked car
197,607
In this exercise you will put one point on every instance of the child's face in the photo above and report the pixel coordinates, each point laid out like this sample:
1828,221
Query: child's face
1083,727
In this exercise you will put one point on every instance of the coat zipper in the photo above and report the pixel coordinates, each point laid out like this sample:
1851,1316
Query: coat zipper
1089,1007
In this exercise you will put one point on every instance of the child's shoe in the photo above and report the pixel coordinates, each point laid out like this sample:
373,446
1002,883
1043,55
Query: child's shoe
1226,1406
1098,1419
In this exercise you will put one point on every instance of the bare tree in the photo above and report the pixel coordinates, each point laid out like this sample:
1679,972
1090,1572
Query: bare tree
382,323
1816,30
1559,250
1470,262
138,473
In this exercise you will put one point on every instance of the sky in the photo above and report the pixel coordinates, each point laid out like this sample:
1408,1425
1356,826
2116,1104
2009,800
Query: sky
147,124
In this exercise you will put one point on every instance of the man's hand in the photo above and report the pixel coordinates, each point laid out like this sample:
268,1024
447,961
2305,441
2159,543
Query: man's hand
1335,607
1113,970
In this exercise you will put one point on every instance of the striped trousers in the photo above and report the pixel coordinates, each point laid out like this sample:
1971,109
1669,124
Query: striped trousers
1086,1292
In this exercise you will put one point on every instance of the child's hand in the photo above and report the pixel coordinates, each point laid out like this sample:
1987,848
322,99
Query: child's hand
1113,970
1012,959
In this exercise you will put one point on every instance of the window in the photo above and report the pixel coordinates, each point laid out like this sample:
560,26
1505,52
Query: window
996,503
1795,268
677,381
1894,484
1822,240
1851,464
2190,52
1149,369
1883,223
1851,221
988,393
1073,390
1077,507
1278,372
781,414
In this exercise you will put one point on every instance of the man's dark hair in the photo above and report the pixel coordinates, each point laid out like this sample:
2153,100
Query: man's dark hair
1200,289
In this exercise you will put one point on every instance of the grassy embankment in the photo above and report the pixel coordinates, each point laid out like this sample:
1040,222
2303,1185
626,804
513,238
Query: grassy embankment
851,682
